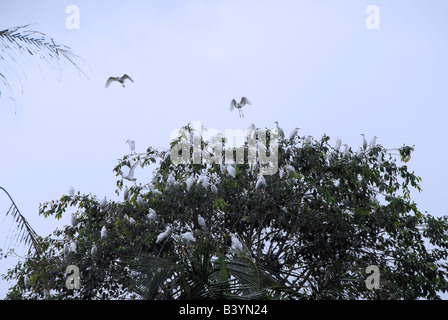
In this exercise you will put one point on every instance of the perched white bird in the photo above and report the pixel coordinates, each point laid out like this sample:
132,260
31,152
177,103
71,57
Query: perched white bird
131,220
103,232
261,182
66,250
130,175
188,236
214,189
71,191
163,235
346,151
359,154
243,102
189,182
171,180
73,247
131,144
236,243
94,250
222,168
280,131
118,79
74,220
337,146
140,201
103,203
204,180
152,215
231,171
293,134
290,169
281,173
126,193
201,222
372,143
26,282
364,141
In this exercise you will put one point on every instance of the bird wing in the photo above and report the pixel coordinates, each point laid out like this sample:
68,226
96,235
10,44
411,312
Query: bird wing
244,101
125,76
131,171
110,80
232,104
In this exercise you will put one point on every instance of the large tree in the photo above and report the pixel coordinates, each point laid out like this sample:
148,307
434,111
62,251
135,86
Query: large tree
309,232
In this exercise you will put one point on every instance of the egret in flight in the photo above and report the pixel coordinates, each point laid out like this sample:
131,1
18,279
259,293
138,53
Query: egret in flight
130,175
243,102
118,79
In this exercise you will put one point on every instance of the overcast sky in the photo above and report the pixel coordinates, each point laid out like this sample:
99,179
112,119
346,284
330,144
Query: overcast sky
308,64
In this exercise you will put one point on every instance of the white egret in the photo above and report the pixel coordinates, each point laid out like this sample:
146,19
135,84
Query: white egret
118,79
372,143
152,215
131,220
94,250
140,201
26,282
171,180
281,173
293,134
103,203
103,232
163,235
236,243
204,180
201,222
243,102
337,146
261,182
214,189
346,153
280,131
74,220
66,250
126,193
130,175
189,182
290,169
222,168
131,144
71,191
188,236
73,247
231,171
364,141
359,154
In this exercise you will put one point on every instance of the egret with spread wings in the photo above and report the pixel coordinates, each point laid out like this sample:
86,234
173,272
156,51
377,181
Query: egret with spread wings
119,79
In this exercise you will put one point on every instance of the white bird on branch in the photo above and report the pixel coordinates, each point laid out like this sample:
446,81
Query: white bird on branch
26,282
243,102
103,232
236,243
118,79
364,141
163,235
94,250
346,153
261,182
337,146
171,180
73,247
293,134
372,143
201,222
188,236
231,171
280,131
103,203
131,144
126,193
290,169
152,215
66,250
71,191
189,182
74,221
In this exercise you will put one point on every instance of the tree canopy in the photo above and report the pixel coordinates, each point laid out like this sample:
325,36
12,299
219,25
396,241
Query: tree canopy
198,231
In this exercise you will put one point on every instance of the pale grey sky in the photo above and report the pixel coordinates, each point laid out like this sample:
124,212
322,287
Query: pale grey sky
308,64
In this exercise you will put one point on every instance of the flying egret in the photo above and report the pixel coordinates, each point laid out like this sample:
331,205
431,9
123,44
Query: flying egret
290,169
236,243
243,102
293,134
71,191
73,247
188,236
130,175
94,250
26,282
201,222
231,171
74,220
261,182
372,142
103,232
103,203
152,215
280,131
345,151
131,144
364,141
118,79
163,235
337,146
